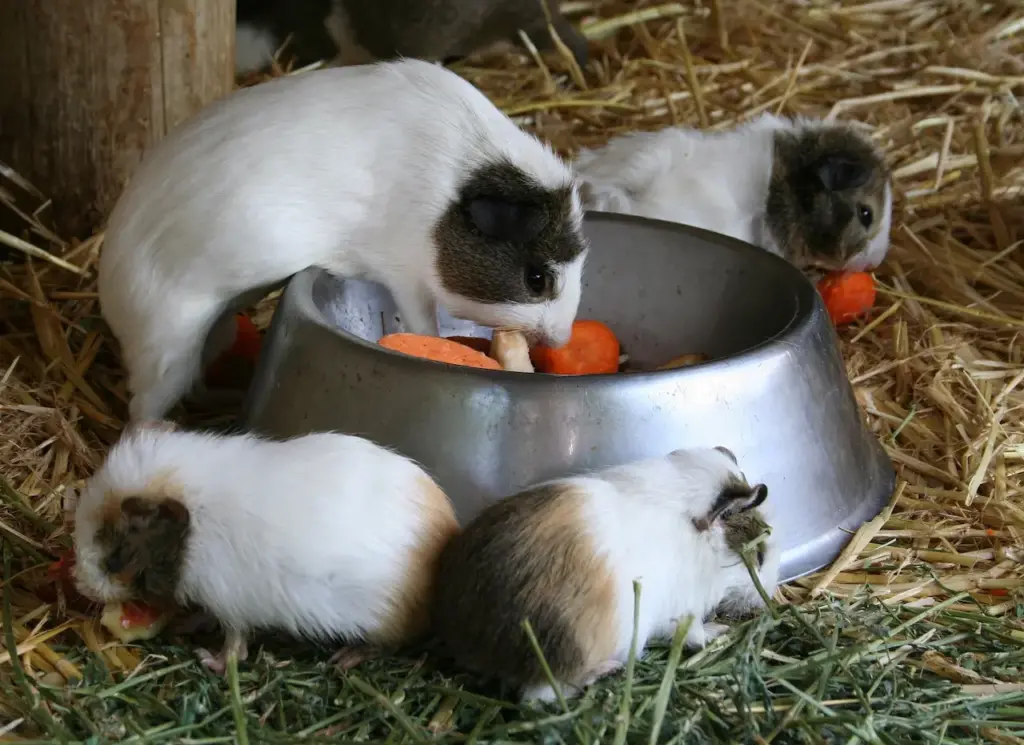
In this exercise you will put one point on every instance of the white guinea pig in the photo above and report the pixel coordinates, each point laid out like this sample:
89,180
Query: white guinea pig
400,172
816,193
564,555
324,536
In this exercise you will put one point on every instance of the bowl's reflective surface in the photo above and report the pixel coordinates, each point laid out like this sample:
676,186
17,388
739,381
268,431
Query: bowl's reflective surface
775,392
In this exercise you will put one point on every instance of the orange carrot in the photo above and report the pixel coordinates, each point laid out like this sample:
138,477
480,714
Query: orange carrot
237,363
478,343
438,349
248,340
592,350
847,295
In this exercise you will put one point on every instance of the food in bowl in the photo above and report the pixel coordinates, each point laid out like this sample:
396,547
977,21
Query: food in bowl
593,349
438,349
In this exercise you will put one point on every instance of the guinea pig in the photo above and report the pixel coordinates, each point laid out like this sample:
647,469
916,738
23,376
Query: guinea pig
443,30
264,25
818,194
399,172
564,554
323,536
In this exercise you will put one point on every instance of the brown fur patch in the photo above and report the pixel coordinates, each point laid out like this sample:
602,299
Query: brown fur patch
143,539
410,615
527,557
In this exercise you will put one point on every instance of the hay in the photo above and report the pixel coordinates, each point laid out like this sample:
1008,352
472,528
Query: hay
913,635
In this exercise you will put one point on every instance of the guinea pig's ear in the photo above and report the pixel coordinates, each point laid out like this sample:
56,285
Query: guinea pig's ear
505,220
732,499
727,453
839,172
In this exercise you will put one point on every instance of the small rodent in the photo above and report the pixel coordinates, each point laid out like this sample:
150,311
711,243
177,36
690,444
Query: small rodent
399,172
442,30
356,31
262,26
816,193
325,536
564,555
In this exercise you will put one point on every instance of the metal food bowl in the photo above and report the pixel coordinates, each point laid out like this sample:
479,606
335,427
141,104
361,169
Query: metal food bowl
775,391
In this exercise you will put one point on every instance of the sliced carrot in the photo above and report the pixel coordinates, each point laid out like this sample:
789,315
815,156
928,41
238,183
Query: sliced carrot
248,340
847,295
478,343
236,365
593,349
438,349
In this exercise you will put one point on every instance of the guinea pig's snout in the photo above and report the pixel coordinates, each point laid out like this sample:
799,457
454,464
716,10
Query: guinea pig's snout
555,336
94,582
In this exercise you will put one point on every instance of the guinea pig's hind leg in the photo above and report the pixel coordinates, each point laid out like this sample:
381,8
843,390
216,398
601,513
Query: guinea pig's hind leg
234,643
701,634
163,368
352,655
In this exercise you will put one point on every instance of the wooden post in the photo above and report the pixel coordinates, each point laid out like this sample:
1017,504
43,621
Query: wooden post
86,86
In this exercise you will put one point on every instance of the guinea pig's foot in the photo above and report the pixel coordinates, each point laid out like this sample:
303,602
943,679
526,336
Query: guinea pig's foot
702,634
711,631
352,655
234,642
606,668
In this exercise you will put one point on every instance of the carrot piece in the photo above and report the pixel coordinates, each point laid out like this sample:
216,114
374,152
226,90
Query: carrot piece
593,349
847,295
248,339
237,363
478,343
438,349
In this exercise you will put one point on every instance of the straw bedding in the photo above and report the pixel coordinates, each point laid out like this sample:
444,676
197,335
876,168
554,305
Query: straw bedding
914,635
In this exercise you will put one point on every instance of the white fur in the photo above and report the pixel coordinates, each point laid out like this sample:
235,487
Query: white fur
346,168
716,181
254,48
310,535
640,516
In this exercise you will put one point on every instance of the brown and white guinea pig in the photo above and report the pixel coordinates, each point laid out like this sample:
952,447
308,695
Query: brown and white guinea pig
564,554
819,194
357,31
401,172
324,536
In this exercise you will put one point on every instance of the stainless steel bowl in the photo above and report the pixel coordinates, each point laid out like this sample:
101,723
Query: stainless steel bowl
775,392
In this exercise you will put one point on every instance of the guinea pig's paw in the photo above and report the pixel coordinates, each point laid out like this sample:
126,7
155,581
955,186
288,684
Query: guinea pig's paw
352,655
701,634
606,668
539,694
215,663
218,663
714,630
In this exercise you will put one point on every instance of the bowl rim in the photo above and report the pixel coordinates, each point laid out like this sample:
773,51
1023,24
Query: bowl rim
808,304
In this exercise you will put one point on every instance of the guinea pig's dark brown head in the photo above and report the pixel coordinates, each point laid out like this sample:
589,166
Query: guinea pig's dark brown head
130,547
829,203
510,248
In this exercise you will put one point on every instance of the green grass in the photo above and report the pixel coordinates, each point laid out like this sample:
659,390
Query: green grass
834,672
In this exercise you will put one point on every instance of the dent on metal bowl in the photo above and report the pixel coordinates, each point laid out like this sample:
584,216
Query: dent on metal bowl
775,391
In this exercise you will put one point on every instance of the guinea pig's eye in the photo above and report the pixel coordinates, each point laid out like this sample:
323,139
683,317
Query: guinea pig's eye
538,279
760,557
116,560
864,214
